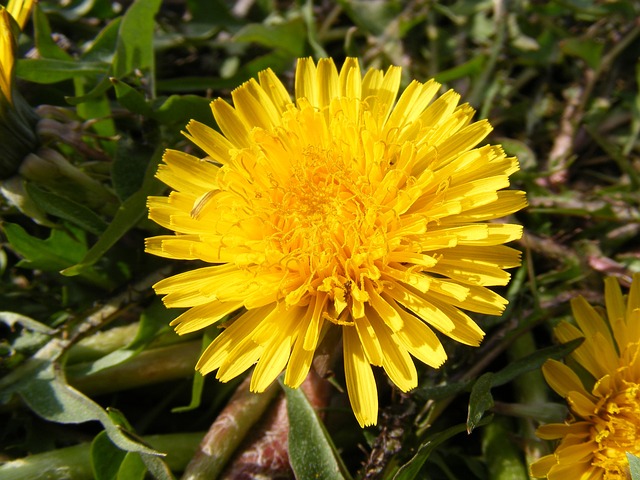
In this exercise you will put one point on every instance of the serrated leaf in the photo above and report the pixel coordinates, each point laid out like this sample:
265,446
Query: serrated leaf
134,49
66,209
55,253
50,70
311,452
480,400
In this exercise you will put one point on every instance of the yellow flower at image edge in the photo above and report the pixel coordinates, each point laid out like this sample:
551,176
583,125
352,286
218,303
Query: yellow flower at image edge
604,421
342,209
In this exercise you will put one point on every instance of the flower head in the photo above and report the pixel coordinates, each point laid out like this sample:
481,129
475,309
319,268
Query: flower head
343,209
604,421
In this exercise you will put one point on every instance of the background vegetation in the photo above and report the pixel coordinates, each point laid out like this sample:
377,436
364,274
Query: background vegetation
94,382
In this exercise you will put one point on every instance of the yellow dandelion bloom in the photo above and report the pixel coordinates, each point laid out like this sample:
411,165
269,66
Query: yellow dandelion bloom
342,209
604,421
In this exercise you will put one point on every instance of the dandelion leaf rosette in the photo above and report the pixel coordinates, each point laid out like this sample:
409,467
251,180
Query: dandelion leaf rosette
604,421
349,207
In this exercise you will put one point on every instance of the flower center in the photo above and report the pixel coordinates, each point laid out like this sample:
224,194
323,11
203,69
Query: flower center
617,429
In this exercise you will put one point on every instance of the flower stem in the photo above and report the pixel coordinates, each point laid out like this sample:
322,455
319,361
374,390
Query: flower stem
530,389
228,431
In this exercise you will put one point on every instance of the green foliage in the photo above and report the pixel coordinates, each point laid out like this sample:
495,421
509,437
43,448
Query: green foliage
311,451
113,84
634,466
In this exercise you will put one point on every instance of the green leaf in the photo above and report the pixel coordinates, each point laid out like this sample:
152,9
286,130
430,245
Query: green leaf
129,166
311,452
212,12
372,16
130,98
411,469
634,466
103,47
153,319
534,361
55,253
105,457
157,467
77,10
437,392
47,47
11,319
502,456
49,70
96,108
134,49
48,395
288,36
587,49
66,209
198,380
132,468
128,215
467,69
179,109
480,400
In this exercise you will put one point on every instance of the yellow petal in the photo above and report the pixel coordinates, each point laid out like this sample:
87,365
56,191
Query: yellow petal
395,359
361,384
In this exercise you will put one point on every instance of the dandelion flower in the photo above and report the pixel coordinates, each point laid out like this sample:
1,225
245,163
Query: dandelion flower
604,420
342,209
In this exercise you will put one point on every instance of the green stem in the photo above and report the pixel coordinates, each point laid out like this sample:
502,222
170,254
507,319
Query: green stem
149,367
228,431
530,389
74,463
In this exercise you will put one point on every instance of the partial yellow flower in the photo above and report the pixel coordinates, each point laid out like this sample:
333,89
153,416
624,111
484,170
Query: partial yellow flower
343,209
17,119
7,59
604,421
20,10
